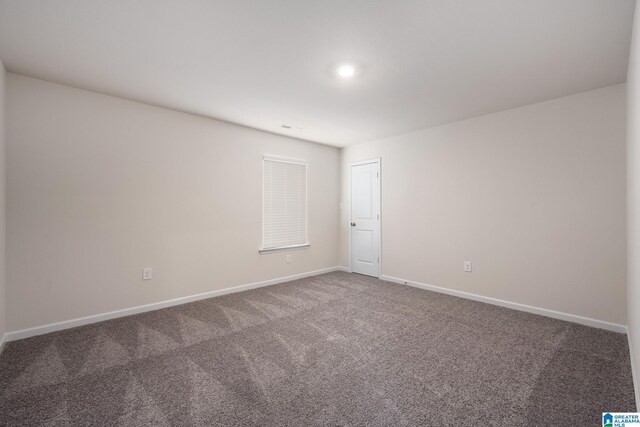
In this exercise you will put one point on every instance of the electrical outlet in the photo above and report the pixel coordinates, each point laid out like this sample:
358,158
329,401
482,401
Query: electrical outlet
467,266
147,273
288,258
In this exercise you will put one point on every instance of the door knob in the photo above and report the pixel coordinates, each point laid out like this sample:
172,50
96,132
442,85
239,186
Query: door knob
353,224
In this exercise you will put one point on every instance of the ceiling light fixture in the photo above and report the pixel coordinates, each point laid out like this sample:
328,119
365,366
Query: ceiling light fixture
346,71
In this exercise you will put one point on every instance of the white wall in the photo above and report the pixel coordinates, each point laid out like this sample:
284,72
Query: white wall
633,200
100,187
3,304
533,196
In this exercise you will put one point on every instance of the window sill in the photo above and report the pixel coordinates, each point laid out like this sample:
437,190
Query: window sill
284,248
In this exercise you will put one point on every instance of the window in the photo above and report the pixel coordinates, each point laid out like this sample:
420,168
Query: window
284,204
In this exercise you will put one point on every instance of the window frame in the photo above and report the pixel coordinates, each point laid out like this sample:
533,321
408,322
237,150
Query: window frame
307,244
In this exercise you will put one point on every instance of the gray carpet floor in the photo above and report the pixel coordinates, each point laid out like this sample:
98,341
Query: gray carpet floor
335,349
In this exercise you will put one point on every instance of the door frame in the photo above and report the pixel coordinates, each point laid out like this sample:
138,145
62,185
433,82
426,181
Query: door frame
366,162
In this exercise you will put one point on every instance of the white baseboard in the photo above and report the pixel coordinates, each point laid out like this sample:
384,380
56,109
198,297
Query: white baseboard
3,341
635,375
342,268
514,305
72,323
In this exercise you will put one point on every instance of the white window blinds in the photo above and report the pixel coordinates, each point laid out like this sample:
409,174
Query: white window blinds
284,204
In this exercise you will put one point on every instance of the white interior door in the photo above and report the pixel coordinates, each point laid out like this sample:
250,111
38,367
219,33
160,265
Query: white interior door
365,218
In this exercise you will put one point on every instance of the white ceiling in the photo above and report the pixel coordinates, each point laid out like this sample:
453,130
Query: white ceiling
264,63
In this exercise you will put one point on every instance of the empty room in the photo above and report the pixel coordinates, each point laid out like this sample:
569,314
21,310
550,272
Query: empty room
336,213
